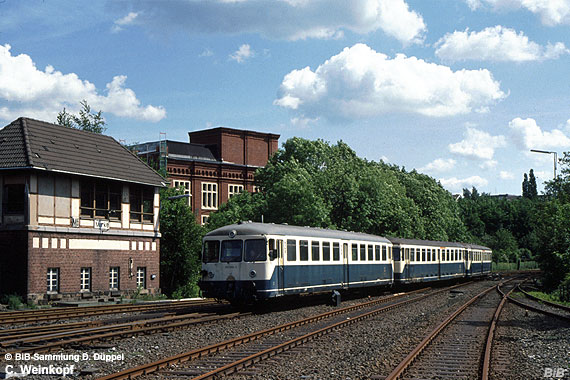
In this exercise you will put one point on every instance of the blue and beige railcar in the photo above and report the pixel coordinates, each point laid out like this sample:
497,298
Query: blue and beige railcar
425,260
255,261
479,260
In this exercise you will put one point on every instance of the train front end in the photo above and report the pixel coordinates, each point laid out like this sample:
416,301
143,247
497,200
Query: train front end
237,265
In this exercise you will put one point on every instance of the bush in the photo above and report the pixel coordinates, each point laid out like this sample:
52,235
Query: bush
13,301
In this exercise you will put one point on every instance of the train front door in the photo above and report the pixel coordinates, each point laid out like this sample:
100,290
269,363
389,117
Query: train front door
407,263
280,267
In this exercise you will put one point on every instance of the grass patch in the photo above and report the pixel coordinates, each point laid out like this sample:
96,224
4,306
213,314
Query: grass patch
551,297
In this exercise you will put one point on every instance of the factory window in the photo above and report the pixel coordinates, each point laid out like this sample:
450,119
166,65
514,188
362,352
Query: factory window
291,250
362,252
114,278
211,251
383,253
142,204
14,199
354,252
85,285
315,248
234,189
100,200
377,252
186,187
304,250
326,251
53,280
141,277
231,251
209,196
336,252
370,252
256,250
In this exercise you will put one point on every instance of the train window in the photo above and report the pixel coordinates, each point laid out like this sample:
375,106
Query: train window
255,250
303,250
370,252
211,251
434,252
423,254
315,248
336,252
362,252
383,253
377,252
412,254
231,251
417,254
326,251
390,253
291,250
354,252
429,254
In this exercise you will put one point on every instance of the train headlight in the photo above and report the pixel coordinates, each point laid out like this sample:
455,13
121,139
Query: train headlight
210,275
252,274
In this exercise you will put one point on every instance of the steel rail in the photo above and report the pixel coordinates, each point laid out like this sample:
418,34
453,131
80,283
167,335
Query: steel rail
534,298
83,311
200,352
538,310
409,359
127,330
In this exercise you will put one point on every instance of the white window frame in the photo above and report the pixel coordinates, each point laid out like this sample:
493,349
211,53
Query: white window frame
85,284
141,277
204,219
256,189
209,196
53,280
114,278
186,186
234,189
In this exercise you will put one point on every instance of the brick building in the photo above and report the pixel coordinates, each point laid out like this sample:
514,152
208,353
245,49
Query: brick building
78,217
214,165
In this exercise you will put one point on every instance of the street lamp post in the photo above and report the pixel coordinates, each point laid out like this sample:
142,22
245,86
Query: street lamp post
547,152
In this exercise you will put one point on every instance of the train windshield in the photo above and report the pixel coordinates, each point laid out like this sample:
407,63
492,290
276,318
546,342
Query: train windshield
255,250
231,250
211,251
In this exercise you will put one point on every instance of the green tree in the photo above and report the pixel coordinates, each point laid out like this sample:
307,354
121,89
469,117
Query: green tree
532,191
525,192
180,246
86,120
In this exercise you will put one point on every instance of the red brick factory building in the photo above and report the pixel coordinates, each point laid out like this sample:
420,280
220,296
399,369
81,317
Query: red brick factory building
78,217
214,165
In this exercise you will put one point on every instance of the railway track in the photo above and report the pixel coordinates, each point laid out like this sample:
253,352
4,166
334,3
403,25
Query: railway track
237,354
49,340
460,347
59,313
542,306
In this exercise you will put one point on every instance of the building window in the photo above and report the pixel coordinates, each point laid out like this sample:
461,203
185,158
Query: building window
234,189
101,200
205,219
53,280
142,204
186,187
141,277
256,189
114,278
14,199
85,279
209,196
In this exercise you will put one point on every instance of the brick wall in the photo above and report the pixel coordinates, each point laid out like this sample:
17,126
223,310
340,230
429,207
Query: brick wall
57,253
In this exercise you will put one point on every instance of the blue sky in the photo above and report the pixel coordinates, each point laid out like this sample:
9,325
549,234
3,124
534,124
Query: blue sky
457,89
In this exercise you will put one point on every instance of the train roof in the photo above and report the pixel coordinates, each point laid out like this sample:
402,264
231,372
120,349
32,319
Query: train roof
436,243
251,228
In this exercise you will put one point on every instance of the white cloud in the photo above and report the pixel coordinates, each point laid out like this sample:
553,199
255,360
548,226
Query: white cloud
384,159
489,164
242,54
361,83
495,44
286,19
206,53
551,12
456,184
27,91
528,135
439,165
127,20
478,144
506,175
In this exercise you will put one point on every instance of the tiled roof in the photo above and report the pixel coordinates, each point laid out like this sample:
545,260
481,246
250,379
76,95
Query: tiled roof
39,145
